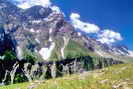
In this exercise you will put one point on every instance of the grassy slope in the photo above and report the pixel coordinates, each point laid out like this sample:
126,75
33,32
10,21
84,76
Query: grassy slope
75,50
115,77
72,50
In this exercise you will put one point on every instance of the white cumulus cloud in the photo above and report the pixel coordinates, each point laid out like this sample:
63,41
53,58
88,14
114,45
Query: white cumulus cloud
29,3
109,36
83,26
24,4
56,9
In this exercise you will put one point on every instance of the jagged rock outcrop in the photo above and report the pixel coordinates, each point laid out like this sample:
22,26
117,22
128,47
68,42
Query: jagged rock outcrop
32,30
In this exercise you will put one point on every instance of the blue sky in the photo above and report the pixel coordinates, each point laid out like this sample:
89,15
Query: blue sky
116,15
112,14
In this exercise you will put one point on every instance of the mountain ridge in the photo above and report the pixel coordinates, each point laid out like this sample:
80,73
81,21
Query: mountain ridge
40,31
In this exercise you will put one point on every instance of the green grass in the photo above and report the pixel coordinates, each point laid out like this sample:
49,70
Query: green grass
74,50
114,77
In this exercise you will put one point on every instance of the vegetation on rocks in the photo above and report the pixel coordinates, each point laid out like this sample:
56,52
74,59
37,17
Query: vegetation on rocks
74,50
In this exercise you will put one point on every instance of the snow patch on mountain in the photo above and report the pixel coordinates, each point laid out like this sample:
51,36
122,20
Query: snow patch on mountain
100,53
79,34
37,40
50,31
35,21
56,9
32,30
19,53
66,41
47,52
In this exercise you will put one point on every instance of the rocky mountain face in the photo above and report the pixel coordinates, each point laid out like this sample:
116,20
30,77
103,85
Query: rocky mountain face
45,34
